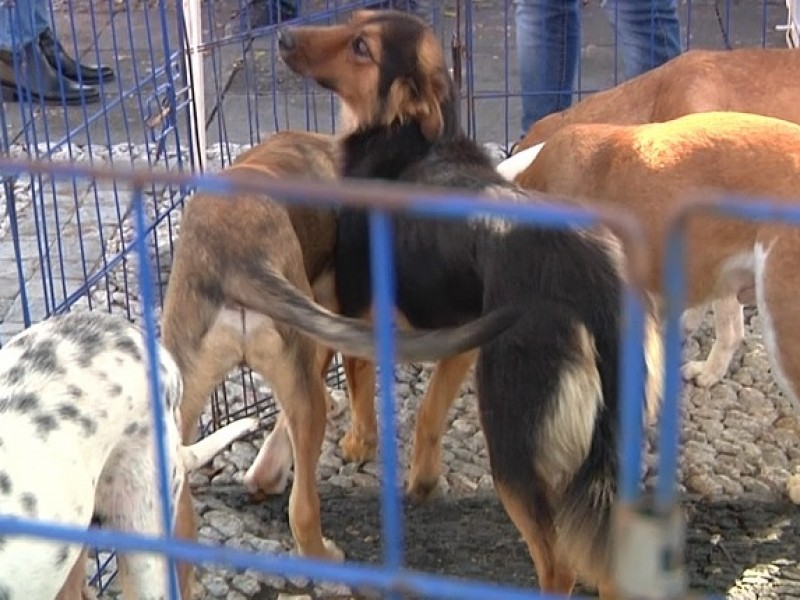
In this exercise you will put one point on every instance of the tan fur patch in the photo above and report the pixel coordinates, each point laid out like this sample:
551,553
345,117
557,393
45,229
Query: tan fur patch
566,436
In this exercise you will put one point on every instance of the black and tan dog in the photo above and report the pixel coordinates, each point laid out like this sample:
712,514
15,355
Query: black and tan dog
239,274
547,386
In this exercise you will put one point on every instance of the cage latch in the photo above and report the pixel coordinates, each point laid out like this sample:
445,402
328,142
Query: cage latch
649,561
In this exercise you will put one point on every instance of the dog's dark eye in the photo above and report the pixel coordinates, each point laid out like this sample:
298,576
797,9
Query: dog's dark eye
360,48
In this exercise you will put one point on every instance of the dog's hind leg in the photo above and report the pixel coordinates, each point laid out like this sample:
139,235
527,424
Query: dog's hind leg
536,527
776,263
360,442
729,330
220,351
287,360
269,473
76,587
426,455
185,528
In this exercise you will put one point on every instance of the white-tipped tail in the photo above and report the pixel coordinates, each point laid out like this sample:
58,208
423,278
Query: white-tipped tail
203,451
514,165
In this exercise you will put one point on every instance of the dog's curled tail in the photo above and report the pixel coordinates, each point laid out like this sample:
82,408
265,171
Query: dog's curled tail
203,451
268,292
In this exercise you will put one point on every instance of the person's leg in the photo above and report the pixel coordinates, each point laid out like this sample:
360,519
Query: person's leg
25,71
17,25
548,43
41,17
648,30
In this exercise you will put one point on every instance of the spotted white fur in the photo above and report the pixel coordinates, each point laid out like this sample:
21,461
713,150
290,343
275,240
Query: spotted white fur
76,440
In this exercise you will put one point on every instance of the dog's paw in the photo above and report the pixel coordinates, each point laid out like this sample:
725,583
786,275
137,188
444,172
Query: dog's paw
332,551
87,593
358,449
270,484
701,373
422,489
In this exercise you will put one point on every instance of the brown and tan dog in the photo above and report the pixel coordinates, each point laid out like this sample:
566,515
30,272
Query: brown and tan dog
227,301
752,80
547,387
650,169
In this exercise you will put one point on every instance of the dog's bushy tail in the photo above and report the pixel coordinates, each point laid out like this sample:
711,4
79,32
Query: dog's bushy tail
584,512
263,290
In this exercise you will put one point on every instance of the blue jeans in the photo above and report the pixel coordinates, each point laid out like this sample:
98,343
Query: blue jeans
549,42
28,18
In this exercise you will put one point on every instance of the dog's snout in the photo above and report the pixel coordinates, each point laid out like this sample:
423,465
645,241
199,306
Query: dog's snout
286,40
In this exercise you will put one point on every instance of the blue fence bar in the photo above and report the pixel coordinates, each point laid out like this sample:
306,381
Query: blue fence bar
156,393
383,284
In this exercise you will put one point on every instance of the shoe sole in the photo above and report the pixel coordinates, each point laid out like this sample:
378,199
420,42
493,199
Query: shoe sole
11,93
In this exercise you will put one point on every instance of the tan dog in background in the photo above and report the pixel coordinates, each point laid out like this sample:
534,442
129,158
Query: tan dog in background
752,80
651,169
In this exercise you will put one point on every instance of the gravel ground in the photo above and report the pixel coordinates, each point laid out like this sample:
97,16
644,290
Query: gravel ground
741,443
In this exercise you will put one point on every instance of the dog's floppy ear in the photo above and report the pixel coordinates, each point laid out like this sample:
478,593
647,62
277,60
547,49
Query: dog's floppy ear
434,93
433,87
409,100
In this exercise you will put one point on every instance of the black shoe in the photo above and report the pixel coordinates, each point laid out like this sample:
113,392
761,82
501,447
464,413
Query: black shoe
55,53
263,13
30,78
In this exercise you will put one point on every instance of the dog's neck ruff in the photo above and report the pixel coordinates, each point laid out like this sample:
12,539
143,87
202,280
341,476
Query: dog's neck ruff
383,151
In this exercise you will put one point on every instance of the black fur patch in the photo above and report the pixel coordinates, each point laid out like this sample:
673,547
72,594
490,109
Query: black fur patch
29,504
21,403
15,375
62,556
5,593
5,483
84,331
88,425
127,345
44,425
68,412
42,358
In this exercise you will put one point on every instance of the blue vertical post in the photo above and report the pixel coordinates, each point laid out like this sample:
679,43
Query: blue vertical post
383,289
632,369
156,394
675,291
